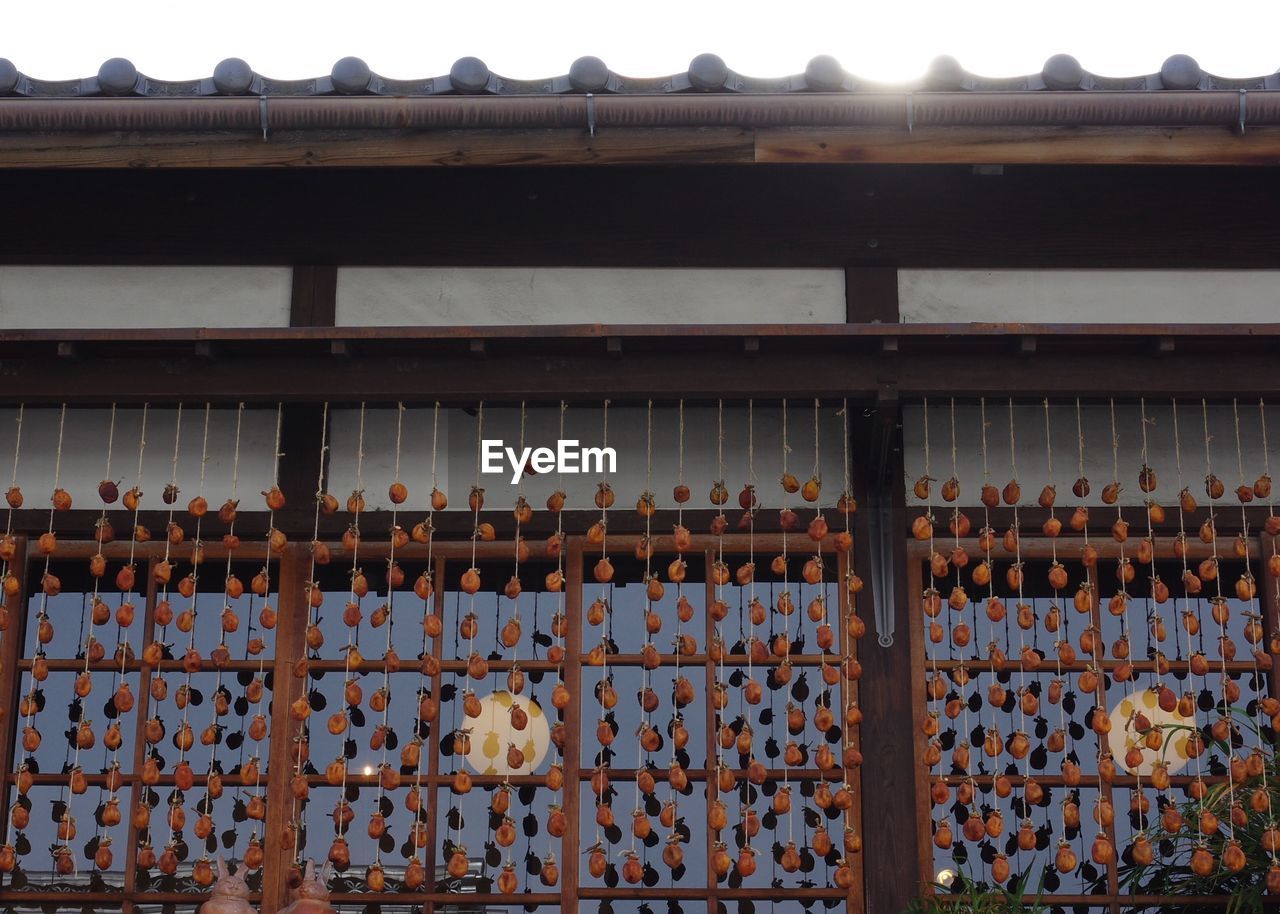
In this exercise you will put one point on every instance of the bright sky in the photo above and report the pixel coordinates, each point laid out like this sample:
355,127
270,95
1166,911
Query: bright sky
884,40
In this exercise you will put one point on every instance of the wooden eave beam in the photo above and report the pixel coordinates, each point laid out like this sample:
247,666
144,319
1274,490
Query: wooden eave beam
389,364
709,145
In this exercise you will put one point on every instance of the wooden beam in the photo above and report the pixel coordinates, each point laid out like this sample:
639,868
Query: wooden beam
386,148
1121,145
1040,216
709,145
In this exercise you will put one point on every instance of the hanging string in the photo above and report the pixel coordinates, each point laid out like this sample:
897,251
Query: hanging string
1123,570
353,631
560,590
13,479
1218,600
1153,618
122,646
392,570
932,599
560,596
1155,621
272,545
1248,584
963,682
751,549
477,496
1057,594
1091,589
1266,475
986,540
646,718
515,650
786,594
304,735
673,796
65,795
428,610
603,756
1187,616
721,574
1022,644
192,613
1266,472
850,589
226,592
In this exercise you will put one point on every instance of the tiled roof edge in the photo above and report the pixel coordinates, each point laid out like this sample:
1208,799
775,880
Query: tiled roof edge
119,77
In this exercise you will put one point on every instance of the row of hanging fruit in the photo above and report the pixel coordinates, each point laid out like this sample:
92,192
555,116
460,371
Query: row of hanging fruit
177,577
1112,581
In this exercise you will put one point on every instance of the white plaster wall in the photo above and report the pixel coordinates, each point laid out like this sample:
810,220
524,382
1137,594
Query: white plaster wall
1032,448
431,296
46,297
456,463
85,441
85,446
1089,296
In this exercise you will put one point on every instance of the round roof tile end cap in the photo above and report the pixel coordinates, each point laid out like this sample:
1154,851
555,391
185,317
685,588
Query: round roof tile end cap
824,73
1181,71
708,72
117,76
945,74
1062,72
232,76
469,75
9,76
351,75
589,74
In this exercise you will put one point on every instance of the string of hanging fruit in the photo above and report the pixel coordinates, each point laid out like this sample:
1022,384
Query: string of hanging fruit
557,822
152,655
84,737
353,695
255,690
468,626
300,709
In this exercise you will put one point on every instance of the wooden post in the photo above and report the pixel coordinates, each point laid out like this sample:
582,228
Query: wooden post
291,624
890,789
571,843
871,295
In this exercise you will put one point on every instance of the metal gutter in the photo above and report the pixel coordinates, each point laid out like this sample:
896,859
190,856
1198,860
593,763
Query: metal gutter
1196,108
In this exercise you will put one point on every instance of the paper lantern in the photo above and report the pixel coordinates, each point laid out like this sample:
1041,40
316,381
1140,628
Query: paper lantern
1123,736
493,734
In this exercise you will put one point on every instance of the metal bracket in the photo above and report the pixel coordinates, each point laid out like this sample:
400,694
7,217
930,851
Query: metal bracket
262,116
880,523
1244,111
591,114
